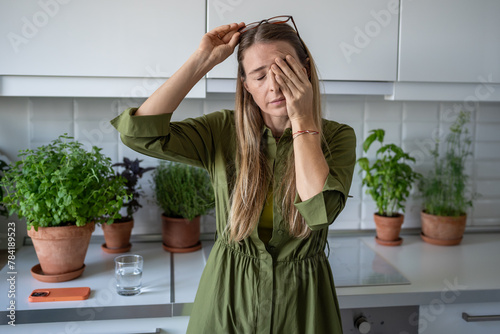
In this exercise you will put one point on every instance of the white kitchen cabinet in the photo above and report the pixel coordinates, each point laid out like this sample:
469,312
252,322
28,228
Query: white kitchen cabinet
131,45
443,317
454,41
350,40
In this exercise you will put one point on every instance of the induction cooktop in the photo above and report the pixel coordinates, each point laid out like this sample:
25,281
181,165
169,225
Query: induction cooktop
355,264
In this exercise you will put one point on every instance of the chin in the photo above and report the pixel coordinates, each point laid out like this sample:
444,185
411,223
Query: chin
275,112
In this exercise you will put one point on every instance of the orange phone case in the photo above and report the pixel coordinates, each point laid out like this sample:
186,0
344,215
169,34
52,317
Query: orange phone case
59,294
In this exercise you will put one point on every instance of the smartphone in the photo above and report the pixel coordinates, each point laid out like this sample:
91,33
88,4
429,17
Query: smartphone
59,294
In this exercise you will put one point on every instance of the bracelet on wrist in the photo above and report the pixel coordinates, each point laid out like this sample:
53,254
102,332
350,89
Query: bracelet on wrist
299,133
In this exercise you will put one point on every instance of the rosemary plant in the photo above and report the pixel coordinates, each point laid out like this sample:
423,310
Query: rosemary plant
183,191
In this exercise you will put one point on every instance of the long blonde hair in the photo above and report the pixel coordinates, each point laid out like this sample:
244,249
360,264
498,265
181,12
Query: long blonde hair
253,174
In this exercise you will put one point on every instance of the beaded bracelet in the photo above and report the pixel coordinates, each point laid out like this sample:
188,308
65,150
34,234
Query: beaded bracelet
298,133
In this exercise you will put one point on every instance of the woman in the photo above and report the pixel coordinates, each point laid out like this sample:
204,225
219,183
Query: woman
281,175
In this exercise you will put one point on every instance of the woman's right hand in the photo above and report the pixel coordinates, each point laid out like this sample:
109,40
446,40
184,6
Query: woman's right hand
219,43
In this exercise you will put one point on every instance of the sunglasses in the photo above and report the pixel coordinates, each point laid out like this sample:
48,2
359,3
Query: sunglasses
273,20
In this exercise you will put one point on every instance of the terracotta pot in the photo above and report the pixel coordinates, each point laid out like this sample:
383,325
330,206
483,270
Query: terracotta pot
442,230
180,234
61,249
117,235
388,229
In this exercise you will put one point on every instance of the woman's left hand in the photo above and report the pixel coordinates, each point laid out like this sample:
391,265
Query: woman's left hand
294,82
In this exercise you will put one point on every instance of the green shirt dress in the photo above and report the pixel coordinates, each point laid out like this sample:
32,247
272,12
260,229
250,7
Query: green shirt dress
283,286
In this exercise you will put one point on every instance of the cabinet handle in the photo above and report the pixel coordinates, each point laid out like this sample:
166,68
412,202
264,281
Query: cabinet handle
474,318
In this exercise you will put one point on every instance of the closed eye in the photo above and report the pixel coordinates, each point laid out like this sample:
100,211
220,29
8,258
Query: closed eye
262,77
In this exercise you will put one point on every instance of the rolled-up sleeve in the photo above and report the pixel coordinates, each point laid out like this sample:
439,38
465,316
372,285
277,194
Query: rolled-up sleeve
190,141
322,209
143,126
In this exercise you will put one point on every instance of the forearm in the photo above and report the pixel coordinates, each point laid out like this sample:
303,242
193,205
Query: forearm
311,168
171,93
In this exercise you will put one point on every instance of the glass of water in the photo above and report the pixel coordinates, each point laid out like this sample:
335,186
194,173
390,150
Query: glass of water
128,274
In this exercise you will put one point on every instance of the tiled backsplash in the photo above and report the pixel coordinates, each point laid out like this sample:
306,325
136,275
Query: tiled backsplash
30,122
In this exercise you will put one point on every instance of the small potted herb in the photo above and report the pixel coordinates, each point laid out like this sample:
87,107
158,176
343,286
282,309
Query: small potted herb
62,190
388,180
444,189
184,193
117,232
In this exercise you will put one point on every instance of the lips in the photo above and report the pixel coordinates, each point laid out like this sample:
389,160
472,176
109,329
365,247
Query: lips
278,100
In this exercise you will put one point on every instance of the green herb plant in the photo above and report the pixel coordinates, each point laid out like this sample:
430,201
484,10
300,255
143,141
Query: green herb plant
444,190
3,168
183,191
389,179
63,184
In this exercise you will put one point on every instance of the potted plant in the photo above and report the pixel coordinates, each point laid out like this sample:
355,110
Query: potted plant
184,193
3,168
62,190
444,190
388,180
117,232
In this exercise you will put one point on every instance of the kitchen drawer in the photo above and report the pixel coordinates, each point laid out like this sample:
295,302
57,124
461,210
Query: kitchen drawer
440,317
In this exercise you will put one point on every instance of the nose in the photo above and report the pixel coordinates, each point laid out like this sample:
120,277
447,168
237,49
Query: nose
271,82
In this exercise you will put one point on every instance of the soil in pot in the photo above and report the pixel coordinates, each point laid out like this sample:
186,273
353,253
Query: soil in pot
117,236
180,234
61,249
442,230
388,229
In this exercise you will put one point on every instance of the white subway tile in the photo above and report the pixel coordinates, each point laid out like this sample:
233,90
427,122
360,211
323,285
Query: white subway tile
48,130
216,102
488,112
340,225
486,151
421,111
49,109
131,102
386,111
14,129
486,209
96,132
488,132
489,188
189,108
485,170
96,109
344,111
420,130
351,211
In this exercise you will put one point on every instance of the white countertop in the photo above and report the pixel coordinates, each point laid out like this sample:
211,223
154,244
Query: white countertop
98,275
469,271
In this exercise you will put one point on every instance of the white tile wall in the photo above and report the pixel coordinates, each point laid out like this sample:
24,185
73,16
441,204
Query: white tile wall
30,122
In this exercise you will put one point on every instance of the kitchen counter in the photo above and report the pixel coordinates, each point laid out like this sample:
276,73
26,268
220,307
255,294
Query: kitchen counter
415,273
